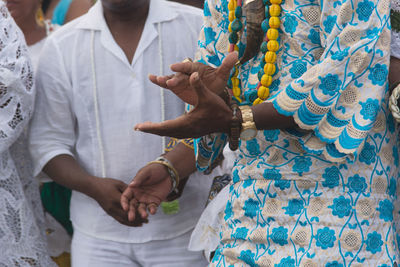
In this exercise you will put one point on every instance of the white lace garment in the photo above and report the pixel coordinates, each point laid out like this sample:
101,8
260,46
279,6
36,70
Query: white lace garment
21,240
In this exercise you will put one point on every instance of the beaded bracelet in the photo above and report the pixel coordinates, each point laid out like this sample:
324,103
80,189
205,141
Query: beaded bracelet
171,171
393,103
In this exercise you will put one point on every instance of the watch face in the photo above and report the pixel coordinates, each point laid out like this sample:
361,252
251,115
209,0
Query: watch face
248,134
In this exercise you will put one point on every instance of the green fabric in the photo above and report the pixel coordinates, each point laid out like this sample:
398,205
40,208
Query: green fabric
395,20
56,199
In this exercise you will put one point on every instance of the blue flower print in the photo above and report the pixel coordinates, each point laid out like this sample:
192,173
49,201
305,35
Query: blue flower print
364,10
217,255
241,233
282,184
356,184
295,206
395,156
341,207
247,183
374,242
334,264
286,262
385,210
235,176
253,147
272,174
331,177
330,84
325,238
329,23
378,74
298,69
280,235
210,35
370,109
248,257
314,37
301,165
251,207
372,33
290,24
368,154
340,55
274,85
392,187
228,211
271,135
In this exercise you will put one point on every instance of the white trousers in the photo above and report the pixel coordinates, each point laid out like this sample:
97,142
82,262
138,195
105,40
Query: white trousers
88,251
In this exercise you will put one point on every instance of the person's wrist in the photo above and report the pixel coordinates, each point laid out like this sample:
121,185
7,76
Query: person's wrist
92,189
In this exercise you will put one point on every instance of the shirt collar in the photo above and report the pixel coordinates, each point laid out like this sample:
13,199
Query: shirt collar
159,11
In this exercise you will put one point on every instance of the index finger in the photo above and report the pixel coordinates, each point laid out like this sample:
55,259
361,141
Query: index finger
186,67
126,196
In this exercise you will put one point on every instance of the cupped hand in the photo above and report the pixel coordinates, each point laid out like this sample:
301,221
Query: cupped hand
151,185
210,115
108,193
215,79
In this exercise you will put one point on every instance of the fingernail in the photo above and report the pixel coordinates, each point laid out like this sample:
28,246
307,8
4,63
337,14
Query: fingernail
196,76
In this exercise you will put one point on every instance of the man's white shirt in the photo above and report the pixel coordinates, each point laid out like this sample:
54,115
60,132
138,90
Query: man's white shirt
81,62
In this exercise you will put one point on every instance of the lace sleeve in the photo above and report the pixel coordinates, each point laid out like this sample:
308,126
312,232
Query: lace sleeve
16,81
395,19
339,98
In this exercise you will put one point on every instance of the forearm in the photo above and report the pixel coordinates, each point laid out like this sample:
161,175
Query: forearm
266,117
183,159
66,171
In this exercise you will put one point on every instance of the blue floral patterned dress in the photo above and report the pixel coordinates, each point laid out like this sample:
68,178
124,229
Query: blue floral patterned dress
322,194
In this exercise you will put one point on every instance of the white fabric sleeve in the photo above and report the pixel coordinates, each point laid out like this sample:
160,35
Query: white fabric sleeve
16,81
52,129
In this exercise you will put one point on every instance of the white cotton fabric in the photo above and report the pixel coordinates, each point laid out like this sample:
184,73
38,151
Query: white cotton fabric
91,251
65,122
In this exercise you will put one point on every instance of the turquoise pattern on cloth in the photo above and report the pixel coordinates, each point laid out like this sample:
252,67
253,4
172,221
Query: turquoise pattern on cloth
60,12
323,194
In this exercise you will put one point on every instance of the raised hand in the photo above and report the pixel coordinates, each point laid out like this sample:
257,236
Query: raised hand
210,115
148,189
214,78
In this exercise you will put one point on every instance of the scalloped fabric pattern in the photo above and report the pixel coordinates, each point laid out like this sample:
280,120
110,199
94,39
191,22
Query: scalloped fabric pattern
321,194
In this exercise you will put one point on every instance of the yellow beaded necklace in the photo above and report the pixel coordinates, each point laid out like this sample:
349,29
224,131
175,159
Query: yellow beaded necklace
269,47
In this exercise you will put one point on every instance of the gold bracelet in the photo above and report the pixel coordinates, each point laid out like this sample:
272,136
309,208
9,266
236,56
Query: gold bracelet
171,171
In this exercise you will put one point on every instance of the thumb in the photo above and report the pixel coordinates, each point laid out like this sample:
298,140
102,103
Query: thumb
227,64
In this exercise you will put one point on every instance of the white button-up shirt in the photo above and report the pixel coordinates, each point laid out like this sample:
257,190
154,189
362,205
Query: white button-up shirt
82,61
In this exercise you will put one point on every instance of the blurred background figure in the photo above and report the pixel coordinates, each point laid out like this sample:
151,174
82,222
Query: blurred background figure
62,11
196,3
55,221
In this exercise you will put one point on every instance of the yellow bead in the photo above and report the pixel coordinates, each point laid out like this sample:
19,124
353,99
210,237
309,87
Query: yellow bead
270,57
257,101
274,22
231,16
236,72
235,82
263,92
238,99
272,34
236,48
266,80
273,45
232,5
275,10
269,69
236,91
277,2
230,27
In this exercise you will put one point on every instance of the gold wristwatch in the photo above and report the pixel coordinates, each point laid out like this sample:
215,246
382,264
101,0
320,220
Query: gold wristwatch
249,130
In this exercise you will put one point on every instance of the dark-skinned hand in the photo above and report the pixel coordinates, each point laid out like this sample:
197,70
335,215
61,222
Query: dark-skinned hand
214,78
151,185
210,115
108,193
